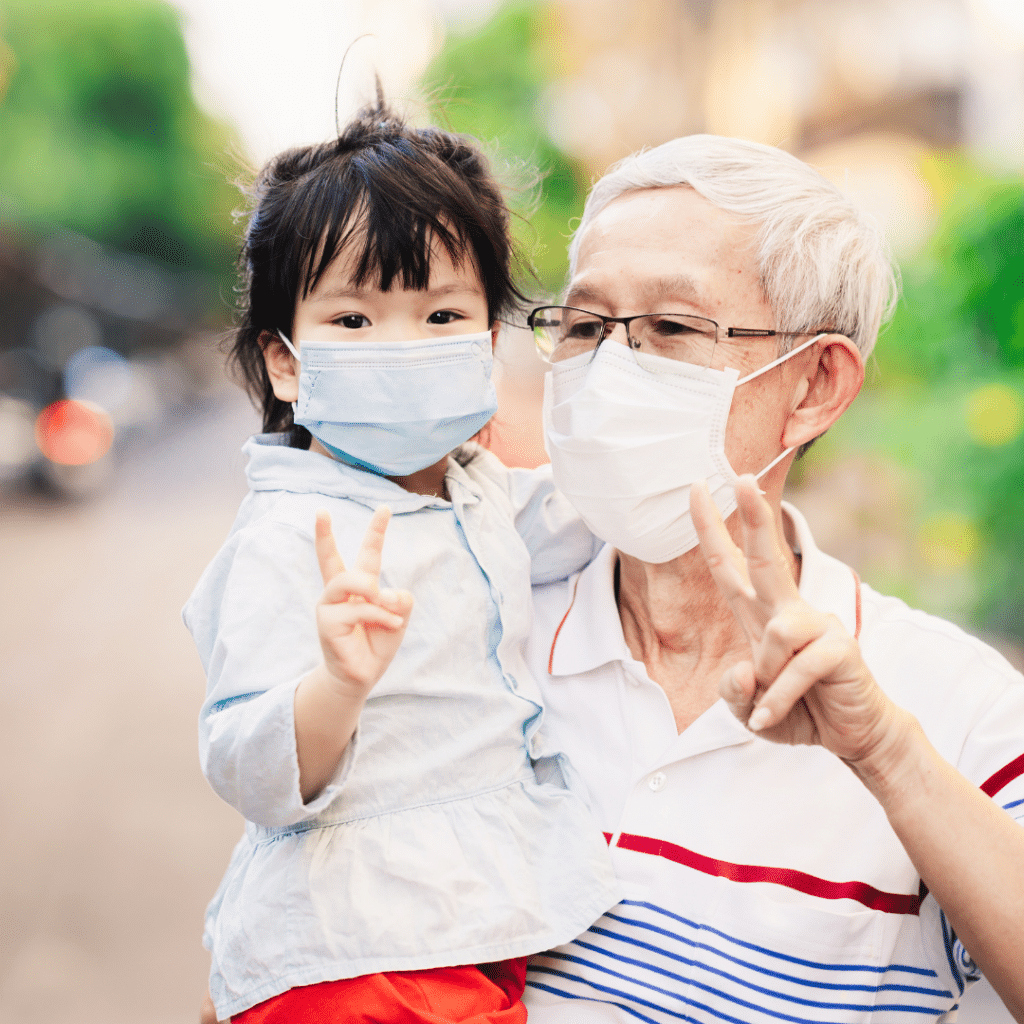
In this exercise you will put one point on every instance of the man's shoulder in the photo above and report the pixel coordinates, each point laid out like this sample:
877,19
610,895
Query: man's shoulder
951,681
891,626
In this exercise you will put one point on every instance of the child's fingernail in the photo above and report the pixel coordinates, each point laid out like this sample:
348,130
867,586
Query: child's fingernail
389,596
759,719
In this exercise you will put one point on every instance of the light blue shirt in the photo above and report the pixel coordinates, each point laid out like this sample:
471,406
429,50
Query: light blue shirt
452,832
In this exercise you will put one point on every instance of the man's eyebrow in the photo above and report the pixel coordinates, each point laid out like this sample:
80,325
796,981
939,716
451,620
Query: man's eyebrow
677,286
655,291
582,293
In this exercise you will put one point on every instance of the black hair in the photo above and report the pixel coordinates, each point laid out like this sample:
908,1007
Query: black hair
388,189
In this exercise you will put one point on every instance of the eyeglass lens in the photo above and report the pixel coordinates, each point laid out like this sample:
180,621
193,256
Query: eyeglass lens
562,332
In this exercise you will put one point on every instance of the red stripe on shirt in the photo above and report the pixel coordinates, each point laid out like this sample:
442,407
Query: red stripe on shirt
875,899
1005,775
554,639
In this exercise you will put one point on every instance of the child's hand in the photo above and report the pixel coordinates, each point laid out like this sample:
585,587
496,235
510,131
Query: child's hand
360,625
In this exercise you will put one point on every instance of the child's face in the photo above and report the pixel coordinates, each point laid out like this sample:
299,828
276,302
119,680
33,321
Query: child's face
453,303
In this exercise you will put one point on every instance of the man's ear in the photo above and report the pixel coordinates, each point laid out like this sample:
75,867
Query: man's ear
828,387
282,367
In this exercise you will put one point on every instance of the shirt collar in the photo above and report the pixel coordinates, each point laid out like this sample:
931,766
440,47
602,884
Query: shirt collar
274,466
825,582
590,633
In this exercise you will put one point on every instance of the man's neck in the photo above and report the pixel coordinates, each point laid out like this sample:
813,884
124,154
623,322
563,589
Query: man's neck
677,623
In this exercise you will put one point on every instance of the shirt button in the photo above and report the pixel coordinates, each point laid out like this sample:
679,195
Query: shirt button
657,781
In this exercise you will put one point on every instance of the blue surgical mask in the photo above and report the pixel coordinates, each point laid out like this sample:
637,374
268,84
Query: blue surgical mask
395,407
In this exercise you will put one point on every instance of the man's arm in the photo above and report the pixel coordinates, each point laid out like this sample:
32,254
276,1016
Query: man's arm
807,683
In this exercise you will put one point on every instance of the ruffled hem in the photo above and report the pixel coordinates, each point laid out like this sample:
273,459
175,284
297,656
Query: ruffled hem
500,874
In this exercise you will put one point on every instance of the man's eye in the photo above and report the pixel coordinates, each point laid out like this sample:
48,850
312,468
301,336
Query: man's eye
672,328
443,316
353,321
586,330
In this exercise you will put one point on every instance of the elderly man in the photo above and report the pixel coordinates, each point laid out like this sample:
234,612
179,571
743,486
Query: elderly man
835,840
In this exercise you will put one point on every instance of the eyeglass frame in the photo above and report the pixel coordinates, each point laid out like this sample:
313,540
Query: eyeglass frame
731,332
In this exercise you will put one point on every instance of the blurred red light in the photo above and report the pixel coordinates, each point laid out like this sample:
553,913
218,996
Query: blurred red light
74,433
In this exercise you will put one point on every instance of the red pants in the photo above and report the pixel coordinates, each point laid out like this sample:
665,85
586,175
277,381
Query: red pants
488,994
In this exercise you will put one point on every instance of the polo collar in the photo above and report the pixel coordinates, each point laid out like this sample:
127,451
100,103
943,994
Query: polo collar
825,582
590,633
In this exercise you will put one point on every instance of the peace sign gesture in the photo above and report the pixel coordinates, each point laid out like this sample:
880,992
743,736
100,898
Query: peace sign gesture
806,681
360,625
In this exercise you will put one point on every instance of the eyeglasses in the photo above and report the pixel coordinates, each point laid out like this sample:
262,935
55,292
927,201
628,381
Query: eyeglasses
562,332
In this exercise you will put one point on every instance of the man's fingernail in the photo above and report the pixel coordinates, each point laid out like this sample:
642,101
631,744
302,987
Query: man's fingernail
759,719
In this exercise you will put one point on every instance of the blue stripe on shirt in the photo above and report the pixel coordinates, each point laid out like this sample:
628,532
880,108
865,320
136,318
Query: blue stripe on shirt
593,960
711,990
794,979
609,1002
763,949
909,989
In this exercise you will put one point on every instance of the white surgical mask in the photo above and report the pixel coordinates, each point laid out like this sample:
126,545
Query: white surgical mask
629,433
395,407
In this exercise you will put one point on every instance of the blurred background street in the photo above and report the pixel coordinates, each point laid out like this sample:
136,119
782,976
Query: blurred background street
123,124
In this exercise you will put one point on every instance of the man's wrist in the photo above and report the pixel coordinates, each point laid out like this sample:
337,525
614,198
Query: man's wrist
892,767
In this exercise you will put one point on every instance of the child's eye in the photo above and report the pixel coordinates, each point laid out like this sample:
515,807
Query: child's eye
353,321
443,316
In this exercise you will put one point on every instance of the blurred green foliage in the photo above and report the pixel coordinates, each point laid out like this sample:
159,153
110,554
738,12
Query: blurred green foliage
947,398
101,133
489,85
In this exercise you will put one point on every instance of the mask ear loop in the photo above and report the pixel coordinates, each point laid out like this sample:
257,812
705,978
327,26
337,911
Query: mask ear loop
291,349
757,373
768,366
280,334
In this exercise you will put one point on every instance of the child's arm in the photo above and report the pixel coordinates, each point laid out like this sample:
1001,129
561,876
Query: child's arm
360,628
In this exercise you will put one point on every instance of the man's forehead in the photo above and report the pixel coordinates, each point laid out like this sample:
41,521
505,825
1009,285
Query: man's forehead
650,290
661,246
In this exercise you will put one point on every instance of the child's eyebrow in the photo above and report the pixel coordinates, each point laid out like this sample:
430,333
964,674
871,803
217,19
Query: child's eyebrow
463,288
331,294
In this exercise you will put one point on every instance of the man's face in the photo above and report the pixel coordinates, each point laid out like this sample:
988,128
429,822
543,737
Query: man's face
668,250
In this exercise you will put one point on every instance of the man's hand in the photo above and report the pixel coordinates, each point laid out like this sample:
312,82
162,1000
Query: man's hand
806,681
360,625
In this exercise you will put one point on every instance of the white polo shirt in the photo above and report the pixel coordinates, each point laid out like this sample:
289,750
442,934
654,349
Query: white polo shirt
762,882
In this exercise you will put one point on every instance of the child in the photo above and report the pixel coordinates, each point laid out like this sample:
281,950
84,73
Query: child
405,819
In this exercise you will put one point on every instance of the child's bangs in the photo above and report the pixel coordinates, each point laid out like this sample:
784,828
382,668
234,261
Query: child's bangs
385,242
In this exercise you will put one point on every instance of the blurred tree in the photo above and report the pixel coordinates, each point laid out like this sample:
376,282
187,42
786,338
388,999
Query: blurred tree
948,400
101,133
490,85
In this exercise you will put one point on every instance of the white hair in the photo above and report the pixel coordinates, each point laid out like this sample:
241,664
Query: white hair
823,262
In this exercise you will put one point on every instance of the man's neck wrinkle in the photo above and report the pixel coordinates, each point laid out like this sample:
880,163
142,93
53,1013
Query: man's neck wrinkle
677,624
